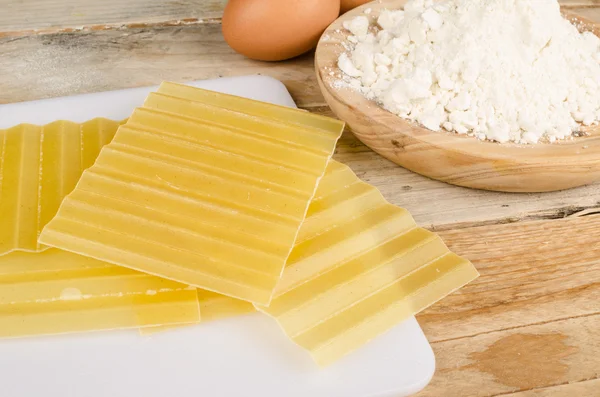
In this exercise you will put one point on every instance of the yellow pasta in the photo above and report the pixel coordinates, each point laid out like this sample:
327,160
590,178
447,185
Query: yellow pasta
359,267
39,166
54,292
200,194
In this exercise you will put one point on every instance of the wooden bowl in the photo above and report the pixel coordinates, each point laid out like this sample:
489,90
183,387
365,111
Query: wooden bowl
449,157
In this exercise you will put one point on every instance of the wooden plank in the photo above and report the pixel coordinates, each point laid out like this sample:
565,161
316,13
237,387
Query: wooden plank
586,388
53,15
579,3
591,13
531,272
519,359
51,65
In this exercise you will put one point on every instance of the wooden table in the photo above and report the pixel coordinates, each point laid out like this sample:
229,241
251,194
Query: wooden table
529,326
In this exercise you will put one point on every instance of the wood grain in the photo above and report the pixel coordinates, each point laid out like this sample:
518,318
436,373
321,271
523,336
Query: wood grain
530,321
51,65
450,157
591,13
520,359
579,3
531,272
51,16
589,388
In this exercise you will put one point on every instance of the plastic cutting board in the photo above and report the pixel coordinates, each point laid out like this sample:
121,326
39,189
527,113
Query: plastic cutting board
242,356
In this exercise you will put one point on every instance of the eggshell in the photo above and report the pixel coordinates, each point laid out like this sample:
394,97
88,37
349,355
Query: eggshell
347,5
273,30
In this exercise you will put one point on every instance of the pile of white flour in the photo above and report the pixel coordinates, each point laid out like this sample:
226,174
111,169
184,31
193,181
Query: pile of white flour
503,70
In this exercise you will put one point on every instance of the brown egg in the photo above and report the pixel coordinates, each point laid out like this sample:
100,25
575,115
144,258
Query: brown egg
347,5
273,30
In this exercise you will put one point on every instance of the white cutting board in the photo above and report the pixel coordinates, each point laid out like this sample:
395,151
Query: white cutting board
242,356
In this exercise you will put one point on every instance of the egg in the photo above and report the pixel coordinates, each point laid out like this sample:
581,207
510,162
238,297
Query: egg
347,5
273,30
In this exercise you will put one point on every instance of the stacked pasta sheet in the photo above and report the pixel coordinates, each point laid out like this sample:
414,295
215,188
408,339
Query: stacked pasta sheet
205,205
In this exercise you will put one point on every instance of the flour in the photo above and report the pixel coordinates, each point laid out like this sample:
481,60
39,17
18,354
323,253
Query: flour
502,70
